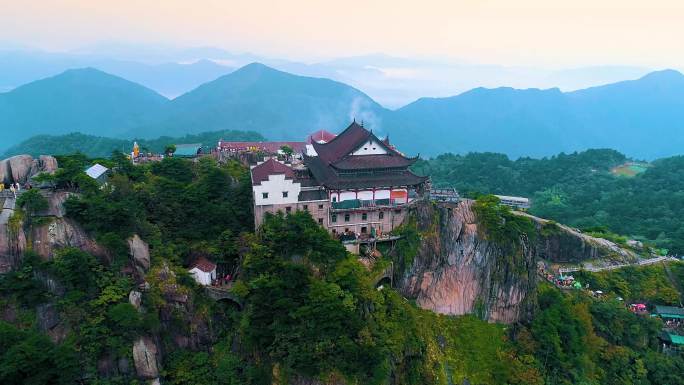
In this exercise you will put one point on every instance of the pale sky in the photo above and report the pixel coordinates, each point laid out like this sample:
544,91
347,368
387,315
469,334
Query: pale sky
509,32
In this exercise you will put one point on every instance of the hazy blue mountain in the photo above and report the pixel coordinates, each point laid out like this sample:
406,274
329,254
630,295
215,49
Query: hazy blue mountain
82,100
392,81
643,118
499,120
276,104
168,78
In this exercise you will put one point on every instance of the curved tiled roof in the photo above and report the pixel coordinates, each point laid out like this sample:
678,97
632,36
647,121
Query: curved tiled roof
326,176
337,150
203,264
261,172
344,143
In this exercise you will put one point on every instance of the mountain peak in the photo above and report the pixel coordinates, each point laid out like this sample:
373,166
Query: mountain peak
256,67
664,75
88,74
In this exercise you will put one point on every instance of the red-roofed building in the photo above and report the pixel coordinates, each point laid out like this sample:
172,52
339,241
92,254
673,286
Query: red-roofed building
354,184
320,136
270,148
203,270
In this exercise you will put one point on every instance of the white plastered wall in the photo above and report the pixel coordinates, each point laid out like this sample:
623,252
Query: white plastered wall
203,278
275,186
370,148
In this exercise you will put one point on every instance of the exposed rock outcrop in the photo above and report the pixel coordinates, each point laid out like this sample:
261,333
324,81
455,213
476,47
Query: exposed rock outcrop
12,238
20,168
457,271
140,252
53,232
135,299
49,322
563,244
46,316
146,358
61,233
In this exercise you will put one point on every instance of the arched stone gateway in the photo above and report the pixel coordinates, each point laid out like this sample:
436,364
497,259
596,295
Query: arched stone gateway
223,294
384,281
384,277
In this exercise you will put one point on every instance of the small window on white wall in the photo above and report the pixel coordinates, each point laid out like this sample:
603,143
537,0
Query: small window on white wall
264,195
284,194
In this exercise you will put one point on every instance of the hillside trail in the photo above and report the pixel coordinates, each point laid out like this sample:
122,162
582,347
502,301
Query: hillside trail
594,269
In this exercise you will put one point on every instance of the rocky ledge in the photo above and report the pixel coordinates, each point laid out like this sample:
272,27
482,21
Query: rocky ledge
457,270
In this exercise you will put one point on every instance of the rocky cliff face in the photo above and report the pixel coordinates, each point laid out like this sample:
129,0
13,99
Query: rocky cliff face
52,233
13,240
20,168
458,271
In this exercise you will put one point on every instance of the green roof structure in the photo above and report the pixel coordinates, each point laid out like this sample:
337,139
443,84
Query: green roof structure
669,312
187,150
676,339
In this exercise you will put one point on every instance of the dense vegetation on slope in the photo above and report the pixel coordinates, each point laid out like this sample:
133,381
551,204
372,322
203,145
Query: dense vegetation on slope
578,189
99,146
655,284
576,339
309,310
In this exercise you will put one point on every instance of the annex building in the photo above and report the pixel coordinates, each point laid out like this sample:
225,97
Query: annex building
354,184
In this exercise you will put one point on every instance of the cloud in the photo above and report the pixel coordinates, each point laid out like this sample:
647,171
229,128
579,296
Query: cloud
397,72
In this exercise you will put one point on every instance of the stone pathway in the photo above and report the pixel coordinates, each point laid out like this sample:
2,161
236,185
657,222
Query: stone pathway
594,269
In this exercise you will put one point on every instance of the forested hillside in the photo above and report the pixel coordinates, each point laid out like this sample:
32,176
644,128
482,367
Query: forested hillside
305,310
99,146
578,189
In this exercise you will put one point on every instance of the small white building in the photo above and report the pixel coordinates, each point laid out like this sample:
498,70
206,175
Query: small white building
519,203
204,271
98,172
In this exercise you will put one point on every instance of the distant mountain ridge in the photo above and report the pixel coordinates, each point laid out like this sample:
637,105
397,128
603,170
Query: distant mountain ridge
643,118
80,100
277,104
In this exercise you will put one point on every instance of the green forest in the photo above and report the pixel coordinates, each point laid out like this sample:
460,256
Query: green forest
99,146
578,189
306,309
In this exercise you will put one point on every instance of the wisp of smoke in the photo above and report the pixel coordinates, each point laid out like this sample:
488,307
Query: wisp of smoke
361,110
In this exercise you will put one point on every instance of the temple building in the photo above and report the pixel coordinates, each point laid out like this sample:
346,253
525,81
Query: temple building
354,184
